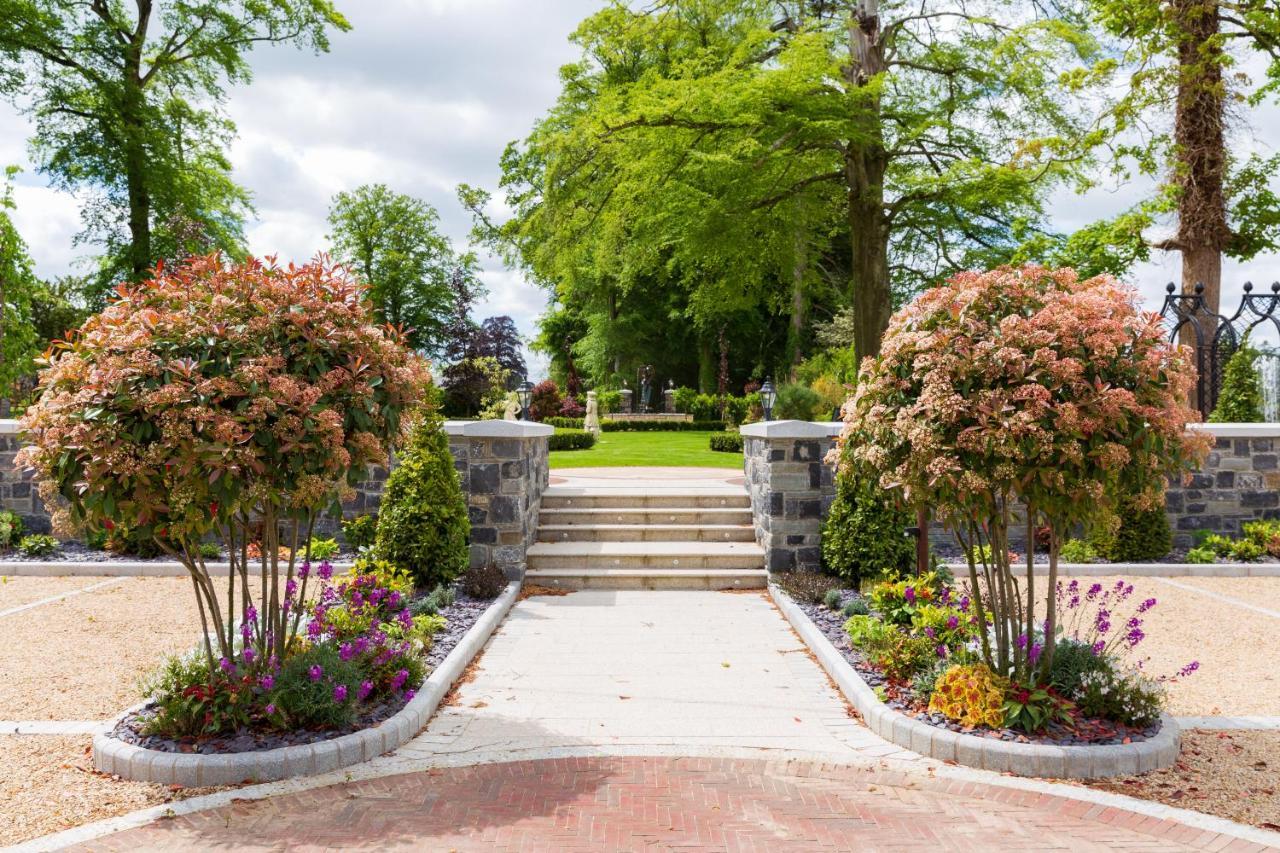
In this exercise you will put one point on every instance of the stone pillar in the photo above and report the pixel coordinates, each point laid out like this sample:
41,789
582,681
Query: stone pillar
791,488
669,401
624,406
503,468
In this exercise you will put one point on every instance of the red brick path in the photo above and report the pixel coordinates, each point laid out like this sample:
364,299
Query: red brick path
666,803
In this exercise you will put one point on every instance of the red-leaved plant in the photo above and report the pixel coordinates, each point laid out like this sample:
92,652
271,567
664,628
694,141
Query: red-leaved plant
241,399
1021,386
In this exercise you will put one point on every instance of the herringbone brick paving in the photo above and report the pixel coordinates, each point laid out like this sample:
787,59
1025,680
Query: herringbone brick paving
691,804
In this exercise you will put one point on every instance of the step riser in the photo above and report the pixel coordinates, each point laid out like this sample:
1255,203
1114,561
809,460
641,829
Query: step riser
653,533
693,581
625,501
691,563
655,516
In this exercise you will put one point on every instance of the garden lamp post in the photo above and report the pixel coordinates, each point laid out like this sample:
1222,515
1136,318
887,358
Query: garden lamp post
526,396
767,397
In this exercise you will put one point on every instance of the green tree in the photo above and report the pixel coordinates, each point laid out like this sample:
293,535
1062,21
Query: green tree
1240,399
127,102
759,155
393,242
17,282
1187,60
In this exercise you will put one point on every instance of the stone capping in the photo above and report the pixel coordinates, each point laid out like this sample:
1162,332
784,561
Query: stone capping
1020,759
1150,570
9,426
111,755
1238,430
498,429
792,429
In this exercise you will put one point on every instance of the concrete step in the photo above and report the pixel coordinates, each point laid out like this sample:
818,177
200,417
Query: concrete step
567,497
578,578
646,515
646,533
672,556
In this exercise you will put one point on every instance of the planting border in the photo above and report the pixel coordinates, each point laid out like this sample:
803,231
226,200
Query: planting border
115,568
1149,570
1021,759
112,755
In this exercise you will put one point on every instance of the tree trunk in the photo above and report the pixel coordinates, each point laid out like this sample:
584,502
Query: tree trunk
132,116
1200,148
799,265
865,163
706,364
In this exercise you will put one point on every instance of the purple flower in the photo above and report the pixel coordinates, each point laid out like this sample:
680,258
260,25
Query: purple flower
405,618
964,604
305,569
1188,669
1146,605
1099,647
346,652
290,588
376,595
251,614
399,680
267,682
271,708
340,694
1034,654
953,622
1022,641
357,600
316,672
1134,637
325,571
393,601
226,665
941,650
248,655
1074,586
910,595
365,688
313,629
409,694
1093,591
930,633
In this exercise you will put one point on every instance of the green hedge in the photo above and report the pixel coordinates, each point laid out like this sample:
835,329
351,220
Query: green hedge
565,423
726,442
609,425
571,439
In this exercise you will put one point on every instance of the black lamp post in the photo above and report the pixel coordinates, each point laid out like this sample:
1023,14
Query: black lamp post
767,397
525,391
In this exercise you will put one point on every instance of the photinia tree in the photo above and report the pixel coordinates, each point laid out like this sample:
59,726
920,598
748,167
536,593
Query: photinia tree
238,399
1021,390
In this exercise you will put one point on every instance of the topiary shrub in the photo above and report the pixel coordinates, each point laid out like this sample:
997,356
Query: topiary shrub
483,581
565,423
544,401
865,534
796,402
726,442
1137,533
1240,399
571,439
422,518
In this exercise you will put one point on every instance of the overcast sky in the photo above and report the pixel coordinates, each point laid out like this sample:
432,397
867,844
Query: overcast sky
423,95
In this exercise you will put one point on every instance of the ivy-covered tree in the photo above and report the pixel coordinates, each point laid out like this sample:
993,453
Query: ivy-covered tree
127,98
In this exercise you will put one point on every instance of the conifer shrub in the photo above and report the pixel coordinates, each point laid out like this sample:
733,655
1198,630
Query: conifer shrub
422,519
1240,398
865,533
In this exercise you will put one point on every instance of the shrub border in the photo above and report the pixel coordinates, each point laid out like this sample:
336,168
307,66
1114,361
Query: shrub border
1020,759
111,755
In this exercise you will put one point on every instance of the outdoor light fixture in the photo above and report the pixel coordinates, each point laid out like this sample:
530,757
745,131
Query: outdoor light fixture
767,397
526,396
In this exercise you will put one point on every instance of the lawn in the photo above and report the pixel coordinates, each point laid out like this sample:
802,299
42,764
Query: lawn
680,449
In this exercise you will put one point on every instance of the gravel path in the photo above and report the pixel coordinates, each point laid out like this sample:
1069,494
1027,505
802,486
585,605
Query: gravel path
1260,592
17,591
81,657
47,783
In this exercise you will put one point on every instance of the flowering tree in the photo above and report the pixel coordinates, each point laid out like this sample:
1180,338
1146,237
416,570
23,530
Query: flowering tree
238,399
1021,387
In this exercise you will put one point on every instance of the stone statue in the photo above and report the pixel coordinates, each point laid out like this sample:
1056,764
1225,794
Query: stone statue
592,423
512,411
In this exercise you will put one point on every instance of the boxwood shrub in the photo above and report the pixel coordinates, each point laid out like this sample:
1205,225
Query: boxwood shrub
610,425
422,520
571,439
726,442
864,535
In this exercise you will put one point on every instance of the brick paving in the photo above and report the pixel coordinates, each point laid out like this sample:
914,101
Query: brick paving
689,804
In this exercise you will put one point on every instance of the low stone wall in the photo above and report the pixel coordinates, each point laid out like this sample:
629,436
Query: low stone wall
17,491
791,489
503,468
1239,482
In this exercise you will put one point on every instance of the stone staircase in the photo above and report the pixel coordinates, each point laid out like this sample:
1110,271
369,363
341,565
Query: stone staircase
646,538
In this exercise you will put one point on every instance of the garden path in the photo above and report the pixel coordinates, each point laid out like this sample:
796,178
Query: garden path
626,720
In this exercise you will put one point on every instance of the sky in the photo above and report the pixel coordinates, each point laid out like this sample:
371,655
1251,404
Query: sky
423,95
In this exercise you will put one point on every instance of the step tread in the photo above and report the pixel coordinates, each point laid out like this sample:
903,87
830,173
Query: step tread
643,549
648,510
642,492
626,573
628,527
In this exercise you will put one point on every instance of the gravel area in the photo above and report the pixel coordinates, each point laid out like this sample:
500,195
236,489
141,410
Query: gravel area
1236,647
17,591
47,784
1234,775
1260,592
81,658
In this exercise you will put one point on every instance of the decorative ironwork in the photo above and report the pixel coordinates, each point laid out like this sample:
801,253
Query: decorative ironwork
1214,337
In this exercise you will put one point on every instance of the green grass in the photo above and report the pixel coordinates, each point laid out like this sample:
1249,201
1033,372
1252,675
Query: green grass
625,449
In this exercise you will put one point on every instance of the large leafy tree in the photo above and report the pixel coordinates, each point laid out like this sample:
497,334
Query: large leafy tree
792,155
17,284
393,242
1189,62
127,98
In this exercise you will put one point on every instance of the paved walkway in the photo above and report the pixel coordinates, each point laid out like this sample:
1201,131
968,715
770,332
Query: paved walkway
573,733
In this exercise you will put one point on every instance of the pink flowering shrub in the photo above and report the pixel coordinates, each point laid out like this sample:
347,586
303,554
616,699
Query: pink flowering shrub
1021,387
240,399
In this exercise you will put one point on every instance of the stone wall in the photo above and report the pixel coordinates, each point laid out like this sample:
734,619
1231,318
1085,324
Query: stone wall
503,468
791,489
17,491
1239,482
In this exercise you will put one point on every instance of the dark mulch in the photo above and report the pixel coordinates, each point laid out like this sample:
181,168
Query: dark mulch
78,552
900,697
460,617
